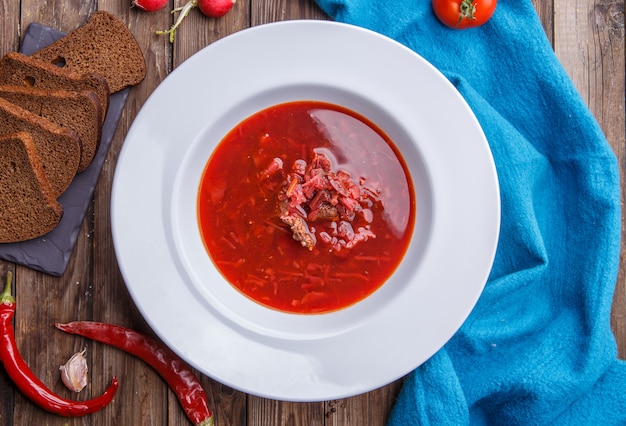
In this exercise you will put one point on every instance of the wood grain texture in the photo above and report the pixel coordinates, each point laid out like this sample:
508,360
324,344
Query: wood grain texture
588,38
589,42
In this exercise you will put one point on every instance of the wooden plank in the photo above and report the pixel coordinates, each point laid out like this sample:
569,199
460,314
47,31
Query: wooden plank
589,42
267,412
262,411
144,396
198,31
10,33
545,12
265,11
42,299
9,41
65,15
11,30
373,407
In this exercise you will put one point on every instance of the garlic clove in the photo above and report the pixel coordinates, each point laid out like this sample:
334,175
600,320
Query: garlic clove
74,372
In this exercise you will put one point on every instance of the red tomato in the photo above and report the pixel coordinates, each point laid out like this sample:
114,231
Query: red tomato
459,14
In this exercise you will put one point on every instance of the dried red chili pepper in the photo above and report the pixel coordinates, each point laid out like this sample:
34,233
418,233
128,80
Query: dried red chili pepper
26,381
176,373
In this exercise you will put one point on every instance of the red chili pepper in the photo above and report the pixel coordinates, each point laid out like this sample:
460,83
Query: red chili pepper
178,375
26,381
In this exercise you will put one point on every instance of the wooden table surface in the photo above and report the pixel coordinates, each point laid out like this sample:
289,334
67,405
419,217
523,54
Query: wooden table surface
588,37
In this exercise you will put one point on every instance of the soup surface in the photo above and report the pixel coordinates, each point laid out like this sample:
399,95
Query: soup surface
306,207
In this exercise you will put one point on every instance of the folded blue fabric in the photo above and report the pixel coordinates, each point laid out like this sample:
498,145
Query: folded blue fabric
537,348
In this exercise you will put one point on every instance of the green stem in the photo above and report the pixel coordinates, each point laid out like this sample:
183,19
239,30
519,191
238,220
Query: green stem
6,298
184,11
467,9
207,422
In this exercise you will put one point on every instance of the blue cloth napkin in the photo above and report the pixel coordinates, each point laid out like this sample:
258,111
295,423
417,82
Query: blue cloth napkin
538,348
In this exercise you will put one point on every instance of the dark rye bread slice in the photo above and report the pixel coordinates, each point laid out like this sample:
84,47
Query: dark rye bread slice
28,207
104,45
79,111
58,148
21,70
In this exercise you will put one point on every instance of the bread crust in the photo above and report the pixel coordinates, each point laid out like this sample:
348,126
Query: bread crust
58,148
21,70
53,105
79,111
105,46
28,206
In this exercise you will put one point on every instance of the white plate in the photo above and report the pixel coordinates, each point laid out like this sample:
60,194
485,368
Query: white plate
305,357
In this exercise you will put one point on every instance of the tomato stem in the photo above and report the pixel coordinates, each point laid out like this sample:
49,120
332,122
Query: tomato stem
467,8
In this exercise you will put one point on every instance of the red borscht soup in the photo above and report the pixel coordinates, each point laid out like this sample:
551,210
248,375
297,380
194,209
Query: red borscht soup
306,207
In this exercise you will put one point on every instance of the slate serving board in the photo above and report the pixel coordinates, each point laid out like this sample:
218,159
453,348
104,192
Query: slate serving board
51,253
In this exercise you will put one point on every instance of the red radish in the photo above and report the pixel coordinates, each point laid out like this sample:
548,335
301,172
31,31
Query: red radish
149,5
215,8
211,8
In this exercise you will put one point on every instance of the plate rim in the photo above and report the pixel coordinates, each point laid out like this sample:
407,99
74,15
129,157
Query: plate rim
327,390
